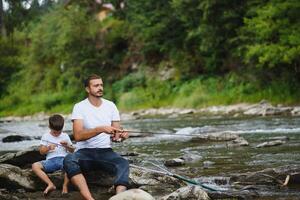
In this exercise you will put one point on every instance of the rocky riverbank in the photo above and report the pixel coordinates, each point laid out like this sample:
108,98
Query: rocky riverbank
263,108
17,181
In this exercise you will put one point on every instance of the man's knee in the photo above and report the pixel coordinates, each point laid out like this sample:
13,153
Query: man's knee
71,165
123,163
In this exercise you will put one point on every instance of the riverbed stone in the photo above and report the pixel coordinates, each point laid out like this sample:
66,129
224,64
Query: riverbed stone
240,141
174,162
133,194
187,193
269,176
270,143
15,138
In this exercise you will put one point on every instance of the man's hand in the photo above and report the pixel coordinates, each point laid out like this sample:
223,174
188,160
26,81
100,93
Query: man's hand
110,130
124,135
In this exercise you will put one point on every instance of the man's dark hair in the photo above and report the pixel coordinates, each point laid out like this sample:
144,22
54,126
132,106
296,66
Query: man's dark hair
89,78
56,122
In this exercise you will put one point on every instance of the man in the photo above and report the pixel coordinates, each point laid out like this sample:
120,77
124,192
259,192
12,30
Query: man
95,120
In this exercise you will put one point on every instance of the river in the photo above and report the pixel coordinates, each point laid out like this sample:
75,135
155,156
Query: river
216,159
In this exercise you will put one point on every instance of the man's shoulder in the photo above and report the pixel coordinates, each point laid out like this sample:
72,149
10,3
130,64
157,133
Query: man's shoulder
108,102
81,103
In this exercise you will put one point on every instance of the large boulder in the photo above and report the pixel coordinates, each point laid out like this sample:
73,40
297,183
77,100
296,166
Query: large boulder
23,158
12,177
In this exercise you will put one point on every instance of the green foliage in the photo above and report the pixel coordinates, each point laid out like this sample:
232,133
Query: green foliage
9,63
219,52
273,35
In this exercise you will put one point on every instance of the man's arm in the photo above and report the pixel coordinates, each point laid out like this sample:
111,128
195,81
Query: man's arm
81,134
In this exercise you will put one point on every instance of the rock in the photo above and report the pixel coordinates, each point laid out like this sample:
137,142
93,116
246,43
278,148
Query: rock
191,158
23,158
174,162
140,177
293,178
220,136
133,194
279,138
230,194
187,193
270,143
269,176
207,164
13,177
15,138
240,141
296,111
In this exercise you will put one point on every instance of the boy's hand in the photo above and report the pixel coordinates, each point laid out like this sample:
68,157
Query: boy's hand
51,147
64,143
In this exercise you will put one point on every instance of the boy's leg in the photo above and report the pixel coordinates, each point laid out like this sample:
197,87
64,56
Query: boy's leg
37,168
65,185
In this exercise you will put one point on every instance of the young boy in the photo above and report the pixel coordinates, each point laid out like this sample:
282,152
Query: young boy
56,145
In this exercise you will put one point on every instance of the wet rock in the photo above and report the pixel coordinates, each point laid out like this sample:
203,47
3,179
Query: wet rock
23,158
191,158
270,143
133,194
207,164
187,193
197,134
291,179
15,138
269,176
240,141
231,194
296,111
221,136
280,138
153,180
14,177
174,162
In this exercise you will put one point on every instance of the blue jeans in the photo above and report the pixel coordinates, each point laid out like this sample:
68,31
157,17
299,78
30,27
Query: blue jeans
53,164
97,158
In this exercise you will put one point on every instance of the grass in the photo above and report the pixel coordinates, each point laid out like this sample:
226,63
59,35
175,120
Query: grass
137,92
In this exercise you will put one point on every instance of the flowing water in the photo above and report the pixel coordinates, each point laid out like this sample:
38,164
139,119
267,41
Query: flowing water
215,160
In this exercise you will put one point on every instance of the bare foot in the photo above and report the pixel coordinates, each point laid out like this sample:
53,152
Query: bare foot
49,189
64,190
120,188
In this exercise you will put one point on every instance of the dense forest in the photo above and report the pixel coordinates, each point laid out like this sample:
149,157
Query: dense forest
171,53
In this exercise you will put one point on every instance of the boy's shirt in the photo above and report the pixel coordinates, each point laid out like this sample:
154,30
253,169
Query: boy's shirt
59,151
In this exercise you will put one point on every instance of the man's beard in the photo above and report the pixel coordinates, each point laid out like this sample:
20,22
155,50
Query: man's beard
97,94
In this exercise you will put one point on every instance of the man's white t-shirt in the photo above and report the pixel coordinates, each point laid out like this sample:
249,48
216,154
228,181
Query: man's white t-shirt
92,117
59,151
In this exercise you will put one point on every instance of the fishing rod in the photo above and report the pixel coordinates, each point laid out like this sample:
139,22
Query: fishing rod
168,173
161,133
52,143
55,143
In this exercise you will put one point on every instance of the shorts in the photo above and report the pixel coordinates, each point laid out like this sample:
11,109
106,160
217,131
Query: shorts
53,164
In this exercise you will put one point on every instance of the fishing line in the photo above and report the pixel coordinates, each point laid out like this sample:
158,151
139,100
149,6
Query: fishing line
168,173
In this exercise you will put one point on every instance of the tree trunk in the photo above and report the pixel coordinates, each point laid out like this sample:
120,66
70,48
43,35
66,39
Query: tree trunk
2,25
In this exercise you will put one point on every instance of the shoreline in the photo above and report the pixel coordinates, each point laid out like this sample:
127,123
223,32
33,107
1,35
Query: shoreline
262,108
